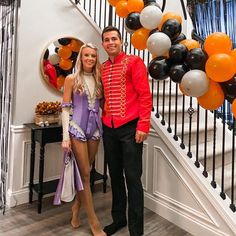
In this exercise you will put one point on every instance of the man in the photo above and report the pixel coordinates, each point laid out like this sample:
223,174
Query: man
126,123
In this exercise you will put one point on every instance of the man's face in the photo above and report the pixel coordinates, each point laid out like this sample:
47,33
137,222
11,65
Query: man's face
112,43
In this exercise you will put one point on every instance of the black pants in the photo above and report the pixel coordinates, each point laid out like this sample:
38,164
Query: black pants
124,158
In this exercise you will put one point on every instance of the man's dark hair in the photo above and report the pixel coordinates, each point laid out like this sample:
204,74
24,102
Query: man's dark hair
111,28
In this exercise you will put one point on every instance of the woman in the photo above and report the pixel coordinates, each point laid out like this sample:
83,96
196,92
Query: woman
81,133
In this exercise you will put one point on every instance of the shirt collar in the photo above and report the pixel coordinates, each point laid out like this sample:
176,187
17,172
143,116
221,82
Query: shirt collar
118,58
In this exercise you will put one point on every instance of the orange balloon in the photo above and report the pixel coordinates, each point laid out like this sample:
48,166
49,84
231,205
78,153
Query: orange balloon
75,45
65,64
170,15
190,43
213,98
220,67
139,38
233,54
121,8
234,108
64,52
60,81
217,42
113,2
135,5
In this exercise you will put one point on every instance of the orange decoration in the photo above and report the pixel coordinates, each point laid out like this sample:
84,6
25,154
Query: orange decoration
60,81
233,55
64,52
170,15
234,108
113,2
217,42
121,8
220,67
135,6
190,43
213,98
139,38
75,45
65,64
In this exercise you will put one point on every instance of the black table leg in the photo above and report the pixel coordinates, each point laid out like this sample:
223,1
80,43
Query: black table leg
32,161
41,170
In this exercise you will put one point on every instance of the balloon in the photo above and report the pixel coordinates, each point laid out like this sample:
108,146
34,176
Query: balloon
234,108
172,28
190,43
113,2
54,59
121,8
220,67
128,30
195,83
135,5
170,15
158,44
233,54
229,88
217,42
151,2
158,68
64,52
65,64
213,98
150,17
196,59
182,90
177,72
75,45
139,38
132,21
178,53
64,41
60,81
180,38
153,31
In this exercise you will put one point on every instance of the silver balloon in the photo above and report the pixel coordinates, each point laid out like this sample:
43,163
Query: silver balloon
150,17
195,83
158,44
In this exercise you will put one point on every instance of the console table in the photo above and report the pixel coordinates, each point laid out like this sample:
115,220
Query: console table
44,135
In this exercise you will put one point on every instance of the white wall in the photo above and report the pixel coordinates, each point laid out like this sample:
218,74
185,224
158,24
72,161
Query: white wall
41,22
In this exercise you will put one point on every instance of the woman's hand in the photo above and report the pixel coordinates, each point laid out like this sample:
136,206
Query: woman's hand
66,145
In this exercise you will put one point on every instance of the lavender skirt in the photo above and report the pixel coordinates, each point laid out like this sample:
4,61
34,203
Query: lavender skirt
75,180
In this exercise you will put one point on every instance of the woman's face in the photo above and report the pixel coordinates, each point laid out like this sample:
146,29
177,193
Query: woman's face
88,59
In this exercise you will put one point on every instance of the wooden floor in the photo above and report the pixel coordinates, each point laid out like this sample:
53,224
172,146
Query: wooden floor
23,220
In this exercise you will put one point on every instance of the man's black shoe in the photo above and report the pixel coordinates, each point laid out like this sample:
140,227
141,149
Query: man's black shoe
114,227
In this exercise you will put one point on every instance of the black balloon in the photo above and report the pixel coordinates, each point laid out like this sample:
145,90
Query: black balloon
196,59
180,38
64,41
229,88
158,68
177,72
178,53
153,31
132,21
172,28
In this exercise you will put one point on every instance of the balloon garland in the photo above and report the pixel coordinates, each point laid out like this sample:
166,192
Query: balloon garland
207,72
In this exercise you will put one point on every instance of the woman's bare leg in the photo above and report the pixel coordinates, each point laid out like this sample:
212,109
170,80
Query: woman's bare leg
80,150
75,222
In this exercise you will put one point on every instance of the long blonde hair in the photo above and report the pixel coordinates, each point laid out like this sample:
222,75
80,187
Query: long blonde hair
79,78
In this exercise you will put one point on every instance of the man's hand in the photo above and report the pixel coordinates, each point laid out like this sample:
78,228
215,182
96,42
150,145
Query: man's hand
140,136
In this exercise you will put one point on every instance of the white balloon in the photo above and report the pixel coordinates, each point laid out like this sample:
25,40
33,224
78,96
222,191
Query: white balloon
128,30
158,44
150,17
54,59
195,83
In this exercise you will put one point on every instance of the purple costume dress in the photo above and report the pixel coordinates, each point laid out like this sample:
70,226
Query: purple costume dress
85,124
